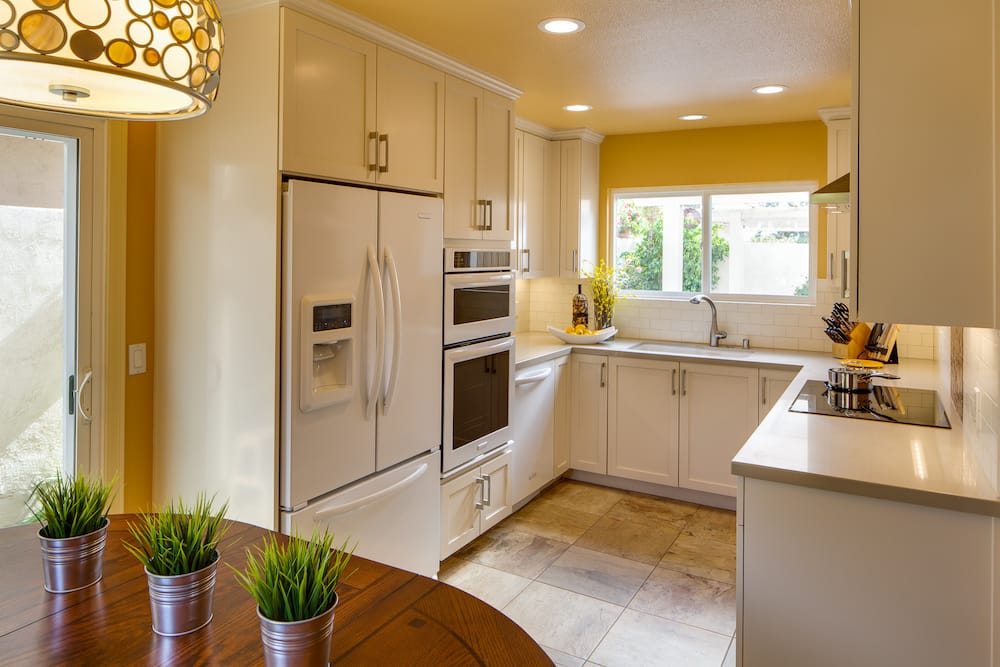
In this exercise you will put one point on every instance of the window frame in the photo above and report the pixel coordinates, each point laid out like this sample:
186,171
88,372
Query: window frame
706,192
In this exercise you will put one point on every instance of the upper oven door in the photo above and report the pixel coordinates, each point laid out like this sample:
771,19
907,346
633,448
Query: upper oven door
477,305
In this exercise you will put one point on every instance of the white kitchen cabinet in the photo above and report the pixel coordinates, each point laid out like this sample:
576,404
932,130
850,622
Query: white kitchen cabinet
534,429
479,151
537,227
718,412
588,429
924,240
838,219
829,579
355,111
773,383
475,501
579,162
642,420
561,427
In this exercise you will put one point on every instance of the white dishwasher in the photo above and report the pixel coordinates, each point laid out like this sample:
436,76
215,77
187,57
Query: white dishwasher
393,516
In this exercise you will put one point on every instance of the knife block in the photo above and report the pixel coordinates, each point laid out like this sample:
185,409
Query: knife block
856,347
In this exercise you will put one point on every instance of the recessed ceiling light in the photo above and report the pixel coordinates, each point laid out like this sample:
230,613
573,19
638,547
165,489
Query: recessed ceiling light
561,26
578,107
772,89
693,116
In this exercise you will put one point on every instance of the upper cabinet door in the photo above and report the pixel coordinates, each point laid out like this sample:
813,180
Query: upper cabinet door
410,123
463,214
496,165
327,100
924,213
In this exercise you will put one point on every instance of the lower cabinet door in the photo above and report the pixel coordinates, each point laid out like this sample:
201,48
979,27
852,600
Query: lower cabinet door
560,427
718,413
460,517
497,496
588,429
642,420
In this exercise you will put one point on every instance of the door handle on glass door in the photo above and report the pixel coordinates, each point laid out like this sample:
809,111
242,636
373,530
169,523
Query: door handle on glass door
397,329
376,278
88,375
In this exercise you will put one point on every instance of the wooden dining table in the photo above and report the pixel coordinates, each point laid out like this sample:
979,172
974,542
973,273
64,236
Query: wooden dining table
385,616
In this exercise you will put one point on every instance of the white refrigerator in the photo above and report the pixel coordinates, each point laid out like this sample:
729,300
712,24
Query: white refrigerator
361,370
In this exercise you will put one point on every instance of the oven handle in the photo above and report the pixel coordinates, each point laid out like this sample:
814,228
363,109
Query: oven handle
397,331
461,280
375,275
477,350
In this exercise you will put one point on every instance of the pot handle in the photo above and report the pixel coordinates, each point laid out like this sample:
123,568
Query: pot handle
887,376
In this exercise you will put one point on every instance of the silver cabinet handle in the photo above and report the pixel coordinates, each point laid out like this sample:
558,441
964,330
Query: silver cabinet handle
489,205
576,266
372,151
684,377
488,490
763,391
482,493
384,166
482,226
843,274
673,382
526,268
829,272
604,367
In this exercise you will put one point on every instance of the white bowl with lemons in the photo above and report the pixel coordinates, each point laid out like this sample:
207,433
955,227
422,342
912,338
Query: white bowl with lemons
581,335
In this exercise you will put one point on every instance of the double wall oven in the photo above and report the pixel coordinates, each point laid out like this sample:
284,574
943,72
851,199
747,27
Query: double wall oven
478,353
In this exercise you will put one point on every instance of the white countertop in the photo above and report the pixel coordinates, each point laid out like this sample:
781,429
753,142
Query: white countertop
914,464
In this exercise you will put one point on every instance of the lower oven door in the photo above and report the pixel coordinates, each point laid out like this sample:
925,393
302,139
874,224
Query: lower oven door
478,394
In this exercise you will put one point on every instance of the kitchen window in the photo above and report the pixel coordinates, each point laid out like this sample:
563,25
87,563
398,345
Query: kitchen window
740,243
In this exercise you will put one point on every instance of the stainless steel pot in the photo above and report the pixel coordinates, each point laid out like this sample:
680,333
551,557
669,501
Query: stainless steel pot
855,379
849,400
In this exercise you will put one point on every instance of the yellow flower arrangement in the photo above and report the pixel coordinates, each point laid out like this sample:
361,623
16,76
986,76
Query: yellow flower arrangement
604,285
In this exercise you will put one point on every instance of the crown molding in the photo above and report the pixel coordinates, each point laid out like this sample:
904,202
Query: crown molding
544,132
362,27
829,114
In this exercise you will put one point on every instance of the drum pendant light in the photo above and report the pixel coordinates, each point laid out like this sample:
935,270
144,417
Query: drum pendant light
130,59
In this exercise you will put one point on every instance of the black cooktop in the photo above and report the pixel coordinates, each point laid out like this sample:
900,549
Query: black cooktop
883,403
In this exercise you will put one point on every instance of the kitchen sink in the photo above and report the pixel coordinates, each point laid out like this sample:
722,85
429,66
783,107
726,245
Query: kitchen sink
691,349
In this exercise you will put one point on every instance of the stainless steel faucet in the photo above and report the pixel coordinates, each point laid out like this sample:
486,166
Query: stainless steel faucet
714,334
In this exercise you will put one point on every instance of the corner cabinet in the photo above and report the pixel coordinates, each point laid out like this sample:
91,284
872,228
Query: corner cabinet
356,111
773,384
588,428
925,160
479,150
475,501
579,162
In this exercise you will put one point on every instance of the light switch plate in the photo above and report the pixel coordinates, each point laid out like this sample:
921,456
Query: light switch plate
137,359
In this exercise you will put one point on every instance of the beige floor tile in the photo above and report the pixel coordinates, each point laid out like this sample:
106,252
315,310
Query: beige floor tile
641,507
552,521
597,574
492,586
563,620
692,600
638,639
562,659
643,542
513,551
582,497
703,557
714,524
730,660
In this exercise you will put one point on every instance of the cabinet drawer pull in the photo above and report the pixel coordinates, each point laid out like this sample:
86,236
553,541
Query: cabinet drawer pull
487,490
673,382
604,367
384,167
482,493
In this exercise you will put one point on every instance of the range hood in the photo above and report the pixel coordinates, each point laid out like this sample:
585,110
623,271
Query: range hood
836,193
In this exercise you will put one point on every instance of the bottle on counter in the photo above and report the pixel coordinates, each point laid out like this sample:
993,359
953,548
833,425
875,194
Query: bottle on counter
580,309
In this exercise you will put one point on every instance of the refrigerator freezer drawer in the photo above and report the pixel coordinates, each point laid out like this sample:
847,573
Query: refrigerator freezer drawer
393,516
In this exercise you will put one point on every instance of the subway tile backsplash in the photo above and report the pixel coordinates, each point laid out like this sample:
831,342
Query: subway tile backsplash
546,301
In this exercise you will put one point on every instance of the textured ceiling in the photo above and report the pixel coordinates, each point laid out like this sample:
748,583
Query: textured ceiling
642,63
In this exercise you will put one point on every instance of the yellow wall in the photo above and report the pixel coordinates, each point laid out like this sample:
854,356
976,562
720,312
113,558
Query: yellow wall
744,154
140,210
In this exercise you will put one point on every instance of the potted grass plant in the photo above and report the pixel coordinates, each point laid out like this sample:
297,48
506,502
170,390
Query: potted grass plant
294,584
73,512
179,548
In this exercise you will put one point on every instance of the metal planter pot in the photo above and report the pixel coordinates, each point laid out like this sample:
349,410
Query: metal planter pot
182,603
72,563
298,643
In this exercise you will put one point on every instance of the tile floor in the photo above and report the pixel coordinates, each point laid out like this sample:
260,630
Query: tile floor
599,576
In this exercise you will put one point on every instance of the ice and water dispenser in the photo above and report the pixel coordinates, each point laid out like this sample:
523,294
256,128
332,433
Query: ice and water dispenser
326,351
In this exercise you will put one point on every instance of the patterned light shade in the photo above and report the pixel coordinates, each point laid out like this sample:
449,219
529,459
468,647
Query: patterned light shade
132,59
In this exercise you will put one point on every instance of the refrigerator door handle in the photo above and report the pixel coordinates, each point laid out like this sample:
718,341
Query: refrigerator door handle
376,279
370,499
397,331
